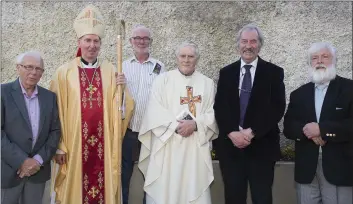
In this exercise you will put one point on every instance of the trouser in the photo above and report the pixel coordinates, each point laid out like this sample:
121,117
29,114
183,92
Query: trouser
25,193
320,191
131,146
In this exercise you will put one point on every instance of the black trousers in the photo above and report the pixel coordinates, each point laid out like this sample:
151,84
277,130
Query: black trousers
127,162
240,170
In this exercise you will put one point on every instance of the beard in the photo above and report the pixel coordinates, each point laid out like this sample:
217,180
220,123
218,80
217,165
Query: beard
322,75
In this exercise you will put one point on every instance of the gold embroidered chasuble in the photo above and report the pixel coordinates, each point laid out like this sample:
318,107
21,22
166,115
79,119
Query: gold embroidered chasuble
74,100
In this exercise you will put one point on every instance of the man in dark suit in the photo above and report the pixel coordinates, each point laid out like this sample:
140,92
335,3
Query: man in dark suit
320,121
249,103
30,133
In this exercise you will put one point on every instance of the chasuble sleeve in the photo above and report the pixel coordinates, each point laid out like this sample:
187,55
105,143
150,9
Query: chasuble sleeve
129,105
117,136
59,87
165,124
206,124
158,124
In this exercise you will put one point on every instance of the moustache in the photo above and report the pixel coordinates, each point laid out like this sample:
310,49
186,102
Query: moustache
320,66
249,50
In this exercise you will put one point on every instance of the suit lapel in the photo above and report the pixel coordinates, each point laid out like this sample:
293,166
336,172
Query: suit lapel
260,76
20,101
329,100
236,77
309,93
42,107
258,85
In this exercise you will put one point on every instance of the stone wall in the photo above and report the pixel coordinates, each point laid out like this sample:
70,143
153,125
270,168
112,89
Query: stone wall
289,29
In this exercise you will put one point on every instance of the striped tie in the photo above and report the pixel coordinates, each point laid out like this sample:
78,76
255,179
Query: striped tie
245,93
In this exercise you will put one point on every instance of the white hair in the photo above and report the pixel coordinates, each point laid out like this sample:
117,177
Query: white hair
316,47
188,44
250,27
141,27
36,55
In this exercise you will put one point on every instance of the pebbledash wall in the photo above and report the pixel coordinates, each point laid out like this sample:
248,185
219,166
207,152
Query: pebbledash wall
288,27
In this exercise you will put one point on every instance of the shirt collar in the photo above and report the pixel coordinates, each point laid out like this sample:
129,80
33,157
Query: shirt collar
187,76
35,92
322,86
150,59
87,63
253,63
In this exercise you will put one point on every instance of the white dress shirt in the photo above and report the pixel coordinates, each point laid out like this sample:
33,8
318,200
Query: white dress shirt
242,73
243,70
320,92
140,77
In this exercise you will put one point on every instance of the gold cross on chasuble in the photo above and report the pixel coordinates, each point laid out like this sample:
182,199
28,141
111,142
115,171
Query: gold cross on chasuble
91,89
92,140
190,100
93,192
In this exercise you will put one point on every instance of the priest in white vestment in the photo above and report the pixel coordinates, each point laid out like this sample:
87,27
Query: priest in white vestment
175,154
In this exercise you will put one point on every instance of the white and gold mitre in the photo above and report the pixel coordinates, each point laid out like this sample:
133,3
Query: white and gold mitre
89,21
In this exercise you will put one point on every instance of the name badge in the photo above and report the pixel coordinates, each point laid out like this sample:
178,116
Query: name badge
157,68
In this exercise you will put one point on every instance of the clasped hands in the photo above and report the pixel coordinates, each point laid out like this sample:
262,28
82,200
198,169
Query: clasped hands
242,138
29,167
312,131
186,127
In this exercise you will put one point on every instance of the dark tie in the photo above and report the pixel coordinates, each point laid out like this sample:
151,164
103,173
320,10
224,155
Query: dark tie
245,92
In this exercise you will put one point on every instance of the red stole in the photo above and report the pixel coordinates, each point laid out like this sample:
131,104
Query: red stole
92,135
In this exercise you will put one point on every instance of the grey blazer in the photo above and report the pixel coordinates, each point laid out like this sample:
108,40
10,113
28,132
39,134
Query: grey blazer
16,133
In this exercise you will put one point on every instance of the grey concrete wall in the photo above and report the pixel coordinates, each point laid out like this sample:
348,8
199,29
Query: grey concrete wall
289,28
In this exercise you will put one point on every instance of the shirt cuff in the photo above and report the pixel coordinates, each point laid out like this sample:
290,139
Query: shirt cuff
38,158
58,151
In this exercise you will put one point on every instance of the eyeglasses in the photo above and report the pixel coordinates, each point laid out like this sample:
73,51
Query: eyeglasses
144,38
31,68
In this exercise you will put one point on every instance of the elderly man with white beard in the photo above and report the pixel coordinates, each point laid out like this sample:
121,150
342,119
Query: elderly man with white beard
320,121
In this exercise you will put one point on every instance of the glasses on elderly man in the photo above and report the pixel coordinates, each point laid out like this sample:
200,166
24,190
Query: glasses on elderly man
139,38
31,68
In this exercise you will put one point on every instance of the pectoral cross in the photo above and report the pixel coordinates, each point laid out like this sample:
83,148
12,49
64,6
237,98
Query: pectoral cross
91,89
190,100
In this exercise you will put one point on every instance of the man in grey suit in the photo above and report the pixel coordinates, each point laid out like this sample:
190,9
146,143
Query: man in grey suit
30,133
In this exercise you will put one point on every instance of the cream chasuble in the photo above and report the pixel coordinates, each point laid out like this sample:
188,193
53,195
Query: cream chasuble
178,170
69,181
